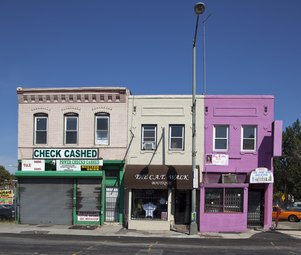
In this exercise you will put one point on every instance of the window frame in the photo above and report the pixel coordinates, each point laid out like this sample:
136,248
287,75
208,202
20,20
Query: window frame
143,126
36,117
223,206
102,116
253,139
71,116
221,138
159,204
176,137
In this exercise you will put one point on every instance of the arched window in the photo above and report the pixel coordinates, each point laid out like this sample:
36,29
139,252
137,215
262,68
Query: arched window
41,128
71,128
102,128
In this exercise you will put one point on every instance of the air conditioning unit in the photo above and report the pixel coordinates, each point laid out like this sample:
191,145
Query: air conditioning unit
149,146
229,178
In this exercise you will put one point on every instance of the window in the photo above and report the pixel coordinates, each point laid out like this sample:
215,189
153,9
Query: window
71,128
176,137
221,137
149,134
224,200
41,126
102,126
248,138
149,204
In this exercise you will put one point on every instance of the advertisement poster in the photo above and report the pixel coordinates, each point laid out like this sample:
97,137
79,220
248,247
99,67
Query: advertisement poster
6,197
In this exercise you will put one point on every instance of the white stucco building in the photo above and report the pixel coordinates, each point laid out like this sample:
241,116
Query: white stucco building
158,174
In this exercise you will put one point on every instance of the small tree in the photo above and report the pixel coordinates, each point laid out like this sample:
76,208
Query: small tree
4,175
288,166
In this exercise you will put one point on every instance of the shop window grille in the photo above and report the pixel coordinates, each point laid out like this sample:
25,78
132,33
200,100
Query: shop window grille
112,204
226,200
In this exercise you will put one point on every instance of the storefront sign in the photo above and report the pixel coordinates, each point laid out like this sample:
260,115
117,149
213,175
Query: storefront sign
261,175
158,177
79,165
217,159
33,165
6,197
87,216
65,153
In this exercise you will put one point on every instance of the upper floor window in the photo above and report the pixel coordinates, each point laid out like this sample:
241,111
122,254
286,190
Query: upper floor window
71,128
248,138
221,137
102,127
41,128
149,137
176,137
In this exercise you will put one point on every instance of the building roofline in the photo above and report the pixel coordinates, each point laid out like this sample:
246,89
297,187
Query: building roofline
21,90
163,96
238,96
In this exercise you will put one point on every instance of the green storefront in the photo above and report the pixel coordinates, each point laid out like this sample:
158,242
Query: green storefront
71,191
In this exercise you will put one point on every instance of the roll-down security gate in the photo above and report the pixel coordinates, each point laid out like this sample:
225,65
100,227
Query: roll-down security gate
46,201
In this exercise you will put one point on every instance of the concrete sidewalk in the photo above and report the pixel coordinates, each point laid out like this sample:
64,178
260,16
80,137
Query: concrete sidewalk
118,230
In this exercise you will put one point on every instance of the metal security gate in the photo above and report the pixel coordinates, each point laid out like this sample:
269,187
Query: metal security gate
112,204
255,208
88,200
45,201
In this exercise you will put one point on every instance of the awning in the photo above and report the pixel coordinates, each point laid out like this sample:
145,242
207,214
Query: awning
261,175
158,177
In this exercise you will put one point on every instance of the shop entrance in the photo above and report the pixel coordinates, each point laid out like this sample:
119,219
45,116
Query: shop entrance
256,208
182,207
112,204
88,201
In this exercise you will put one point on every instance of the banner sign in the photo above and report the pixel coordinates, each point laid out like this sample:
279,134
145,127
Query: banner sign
6,197
261,175
217,159
87,216
33,165
79,165
65,153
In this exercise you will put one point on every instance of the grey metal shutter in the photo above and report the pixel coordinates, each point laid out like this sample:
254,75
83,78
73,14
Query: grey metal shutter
46,201
88,195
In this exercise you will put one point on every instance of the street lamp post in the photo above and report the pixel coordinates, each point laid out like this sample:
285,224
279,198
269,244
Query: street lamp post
199,8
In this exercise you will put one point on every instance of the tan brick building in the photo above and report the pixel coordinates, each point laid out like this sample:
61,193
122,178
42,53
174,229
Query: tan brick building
71,143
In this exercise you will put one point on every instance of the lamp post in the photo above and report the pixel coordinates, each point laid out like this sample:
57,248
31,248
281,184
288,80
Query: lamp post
199,9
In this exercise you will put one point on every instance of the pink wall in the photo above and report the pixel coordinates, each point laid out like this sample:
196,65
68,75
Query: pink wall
236,111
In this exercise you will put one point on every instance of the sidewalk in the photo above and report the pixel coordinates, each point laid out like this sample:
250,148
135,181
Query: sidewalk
118,230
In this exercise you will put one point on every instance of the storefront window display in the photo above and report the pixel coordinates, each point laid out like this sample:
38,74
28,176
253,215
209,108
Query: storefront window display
149,204
224,200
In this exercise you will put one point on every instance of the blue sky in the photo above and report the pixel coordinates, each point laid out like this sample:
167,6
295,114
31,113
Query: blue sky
252,47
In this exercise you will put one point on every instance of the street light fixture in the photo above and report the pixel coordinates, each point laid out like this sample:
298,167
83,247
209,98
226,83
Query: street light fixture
199,9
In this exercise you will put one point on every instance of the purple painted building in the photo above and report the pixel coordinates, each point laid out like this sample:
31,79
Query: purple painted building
241,139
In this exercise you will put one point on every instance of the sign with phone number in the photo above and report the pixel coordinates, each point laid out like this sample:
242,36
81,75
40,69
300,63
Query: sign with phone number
79,165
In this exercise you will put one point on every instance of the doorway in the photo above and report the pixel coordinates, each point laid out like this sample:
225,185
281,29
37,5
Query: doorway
256,208
112,204
182,207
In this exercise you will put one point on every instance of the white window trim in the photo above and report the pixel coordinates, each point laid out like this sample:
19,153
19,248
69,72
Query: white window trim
154,146
242,138
214,137
183,137
108,130
65,131
35,130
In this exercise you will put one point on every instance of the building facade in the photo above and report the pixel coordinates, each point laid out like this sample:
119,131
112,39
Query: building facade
241,139
158,175
96,155
72,144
